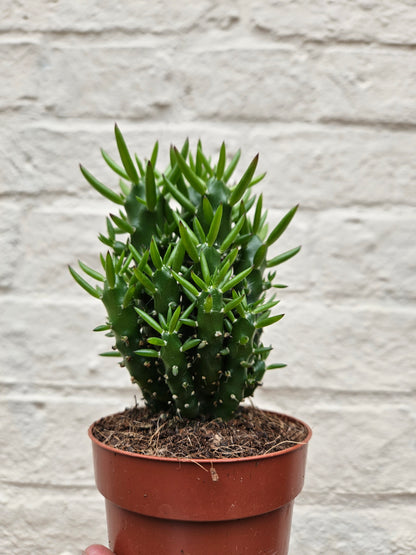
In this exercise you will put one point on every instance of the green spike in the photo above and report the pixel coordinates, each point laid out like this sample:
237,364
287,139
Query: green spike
282,257
126,265
207,210
84,284
123,225
268,321
189,344
158,341
113,165
260,255
176,258
174,320
90,272
199,231
281,226
221,162
186,284
151,198
204,160
188,243
257,214
233,304
125,189
109,271
215,226
264,307
151,353
128,297
231,167
232,236
139,165
149,320
103,327
153,157
177,195
100,187
125,156
244,182
196,182
257,179
275,366
155,255
204,268
201,284
236,280
145,281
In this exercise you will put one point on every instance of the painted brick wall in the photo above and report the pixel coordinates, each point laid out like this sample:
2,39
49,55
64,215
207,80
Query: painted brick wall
325,91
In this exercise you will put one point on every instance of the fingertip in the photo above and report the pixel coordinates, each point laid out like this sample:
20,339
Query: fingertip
96,549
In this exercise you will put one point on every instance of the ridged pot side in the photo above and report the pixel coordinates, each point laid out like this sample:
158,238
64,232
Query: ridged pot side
167,506
200,490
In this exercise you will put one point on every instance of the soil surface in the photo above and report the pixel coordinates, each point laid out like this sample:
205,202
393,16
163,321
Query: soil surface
251,432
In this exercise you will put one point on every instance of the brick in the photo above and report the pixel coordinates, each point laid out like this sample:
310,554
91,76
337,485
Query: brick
85,82
367,251
324,20
46,231
366,85
20,69
9,243
246,87
342,347
62,348
50,521
92,16
50,446
345,529
335,167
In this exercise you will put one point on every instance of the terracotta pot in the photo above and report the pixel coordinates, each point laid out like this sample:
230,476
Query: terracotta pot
166,506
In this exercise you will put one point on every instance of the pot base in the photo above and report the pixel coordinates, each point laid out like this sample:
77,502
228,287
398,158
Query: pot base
135,534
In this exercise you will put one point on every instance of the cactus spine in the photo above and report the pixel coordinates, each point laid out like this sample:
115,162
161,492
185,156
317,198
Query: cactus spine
185,278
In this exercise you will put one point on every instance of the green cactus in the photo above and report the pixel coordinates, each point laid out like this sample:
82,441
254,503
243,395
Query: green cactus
185,278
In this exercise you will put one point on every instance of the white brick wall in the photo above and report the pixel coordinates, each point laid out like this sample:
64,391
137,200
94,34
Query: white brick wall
325,91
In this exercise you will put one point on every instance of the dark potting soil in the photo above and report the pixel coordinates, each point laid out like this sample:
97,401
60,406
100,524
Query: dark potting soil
251,432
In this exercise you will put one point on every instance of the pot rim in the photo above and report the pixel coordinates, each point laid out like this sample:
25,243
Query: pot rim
155,458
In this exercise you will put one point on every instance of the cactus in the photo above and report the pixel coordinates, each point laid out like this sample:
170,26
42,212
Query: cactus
185,277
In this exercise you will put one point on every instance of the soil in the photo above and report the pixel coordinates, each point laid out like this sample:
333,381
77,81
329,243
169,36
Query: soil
251,432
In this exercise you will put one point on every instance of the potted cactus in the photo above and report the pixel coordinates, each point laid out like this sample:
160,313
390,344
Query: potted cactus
184,283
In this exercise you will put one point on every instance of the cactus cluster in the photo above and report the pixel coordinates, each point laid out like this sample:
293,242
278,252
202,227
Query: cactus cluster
185,277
